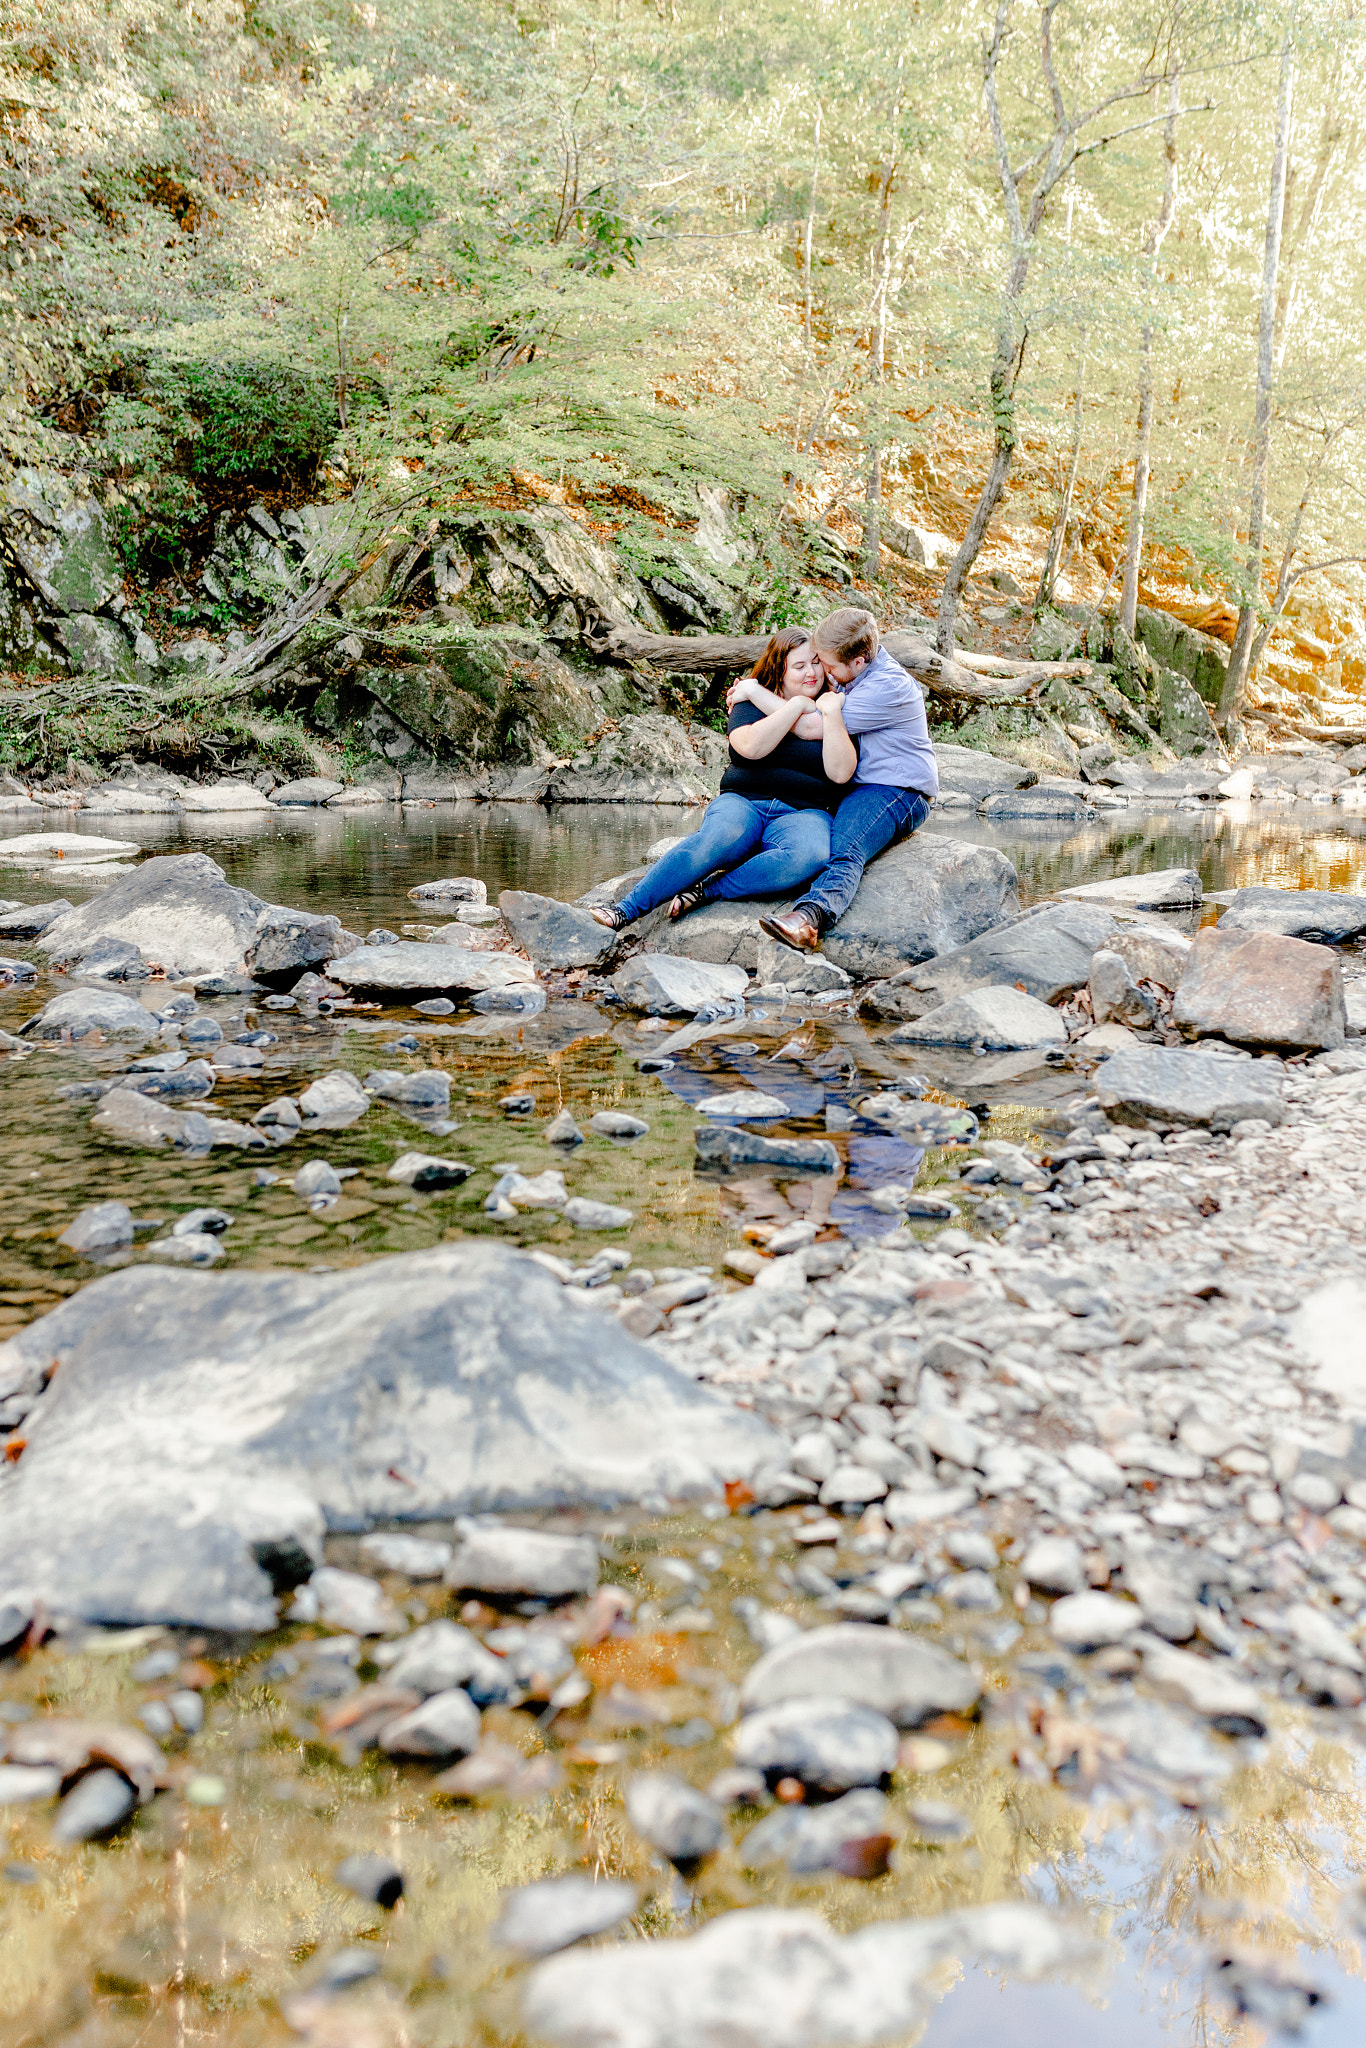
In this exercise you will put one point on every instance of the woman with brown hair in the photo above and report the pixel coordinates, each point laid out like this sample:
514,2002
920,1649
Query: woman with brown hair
769,830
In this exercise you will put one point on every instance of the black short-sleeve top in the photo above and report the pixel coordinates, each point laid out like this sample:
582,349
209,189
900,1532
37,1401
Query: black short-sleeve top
792,774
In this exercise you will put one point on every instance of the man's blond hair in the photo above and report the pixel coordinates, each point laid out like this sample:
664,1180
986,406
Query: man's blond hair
846,634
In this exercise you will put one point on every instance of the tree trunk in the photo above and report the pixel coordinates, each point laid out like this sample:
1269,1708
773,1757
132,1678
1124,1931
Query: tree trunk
1156,236
1049,575
877,356
729,654
808,233
1236,678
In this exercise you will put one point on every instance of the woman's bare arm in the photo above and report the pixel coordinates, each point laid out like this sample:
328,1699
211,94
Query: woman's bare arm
839,755
753,742
747,691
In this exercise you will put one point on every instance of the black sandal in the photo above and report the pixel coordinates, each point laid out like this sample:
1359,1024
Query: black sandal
608,914
688,899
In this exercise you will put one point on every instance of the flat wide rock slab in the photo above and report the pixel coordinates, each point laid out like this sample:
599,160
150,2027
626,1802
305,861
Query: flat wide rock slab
410,968
28,848
1048,954
555,934
965,771
998,1019
1261,990
205,1426
1162,889
900,1676
1177,1089
1316,914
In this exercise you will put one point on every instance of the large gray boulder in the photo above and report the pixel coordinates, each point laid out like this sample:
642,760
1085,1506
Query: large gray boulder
1001,1019
969,771
178,909
290,942
1317,914
1172,1089
925,896
55,533
664,985
555,934
647,758
1261,990
93,1013
1049,954
204,1429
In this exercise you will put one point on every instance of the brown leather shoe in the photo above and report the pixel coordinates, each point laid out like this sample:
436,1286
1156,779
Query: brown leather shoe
794,929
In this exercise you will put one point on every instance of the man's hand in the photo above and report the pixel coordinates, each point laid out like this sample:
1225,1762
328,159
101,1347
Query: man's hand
740,692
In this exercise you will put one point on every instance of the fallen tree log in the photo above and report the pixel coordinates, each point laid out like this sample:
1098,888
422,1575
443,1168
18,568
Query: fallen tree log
720,654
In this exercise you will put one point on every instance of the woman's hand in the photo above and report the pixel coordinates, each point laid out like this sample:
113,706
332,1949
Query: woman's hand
839,755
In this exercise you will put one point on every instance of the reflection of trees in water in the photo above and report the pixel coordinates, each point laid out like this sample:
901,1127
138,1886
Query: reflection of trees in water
1275,845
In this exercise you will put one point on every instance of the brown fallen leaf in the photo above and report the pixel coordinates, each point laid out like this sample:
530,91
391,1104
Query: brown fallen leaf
362,1714
1069,1741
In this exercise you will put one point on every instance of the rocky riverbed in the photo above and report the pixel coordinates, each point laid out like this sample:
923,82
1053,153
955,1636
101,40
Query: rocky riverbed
896,1522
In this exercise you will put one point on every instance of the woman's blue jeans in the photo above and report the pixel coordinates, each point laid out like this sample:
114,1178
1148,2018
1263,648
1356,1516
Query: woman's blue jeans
768,848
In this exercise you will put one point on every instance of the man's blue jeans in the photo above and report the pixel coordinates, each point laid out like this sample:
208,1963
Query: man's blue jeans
868,820
768,848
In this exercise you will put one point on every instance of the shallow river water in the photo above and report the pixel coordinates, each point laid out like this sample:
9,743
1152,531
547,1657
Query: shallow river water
205,1919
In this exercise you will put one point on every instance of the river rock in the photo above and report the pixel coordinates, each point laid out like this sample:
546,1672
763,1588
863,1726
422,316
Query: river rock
1161,889
130,1118
1151,952
495,1557
102,1227
1210,1685
206,799
908,1680
723,1145
920,898
1315,914
410,968
1116,997
424,1171
675,1818
457,1379
665,985
745,1103
115,799
965,771
998,1019
617,1123
586,1214
1090,1620
555,934
428,1089
334,1101
96,1804
280,1120
1260,989
416,1557
36,849
30,920
450,889
90,1013
317,1181
178,909
828,1742
555,1912
1048,953
1172,1088
290,941
445,1725
113,960
310,790
562,1130
442,1655
1047,806
1054,1564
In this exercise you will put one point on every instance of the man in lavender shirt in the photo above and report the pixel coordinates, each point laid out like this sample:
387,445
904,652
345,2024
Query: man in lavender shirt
895,783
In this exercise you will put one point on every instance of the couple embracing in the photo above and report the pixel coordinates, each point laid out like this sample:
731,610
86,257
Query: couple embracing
830,762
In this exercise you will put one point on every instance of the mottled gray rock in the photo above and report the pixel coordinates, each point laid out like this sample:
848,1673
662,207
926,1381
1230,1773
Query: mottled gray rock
555,934
1002,1019
456,1380
827,1741
1324,915
562,1130
450,889
410,968
615,1123
334,1100
1090,1620
103,1227
1209,1685
1048,952
922,897
445,1725
1174,1088
309,791
522,999
133,1119
428,1089
316,1180
373,1878
178,909
424,1170
1184,721
30,920
665,985
290,941
442,1655
417,1557
907,1680
1160,889
36,849
1152,952
537,1919
675,1818
1116,997
114,960
972,773
723,1145
1258,989
851,1835
89,1012
96,1804
1047,806
1054,1564
497,1558
586,1214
